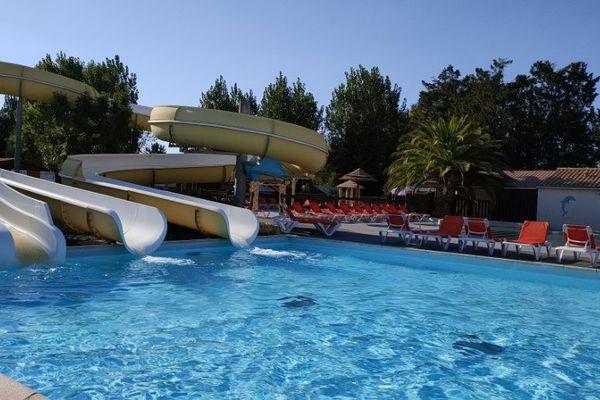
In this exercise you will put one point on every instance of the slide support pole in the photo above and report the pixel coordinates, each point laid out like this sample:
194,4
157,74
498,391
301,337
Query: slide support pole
18,128
240,172
240,181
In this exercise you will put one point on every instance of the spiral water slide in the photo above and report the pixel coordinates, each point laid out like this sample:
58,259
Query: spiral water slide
126,178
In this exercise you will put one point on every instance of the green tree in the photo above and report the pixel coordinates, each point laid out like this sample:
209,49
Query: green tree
553,119
545,119
482,96
155,148
451,153
92,125
291,104
220,97
364,122
7,124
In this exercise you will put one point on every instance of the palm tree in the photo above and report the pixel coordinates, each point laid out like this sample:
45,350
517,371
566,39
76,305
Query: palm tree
450,153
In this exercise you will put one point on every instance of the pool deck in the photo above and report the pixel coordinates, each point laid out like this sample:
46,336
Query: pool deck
369,233
13,390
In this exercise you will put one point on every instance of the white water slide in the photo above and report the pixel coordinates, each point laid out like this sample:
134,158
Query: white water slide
27,233
141,229
122,176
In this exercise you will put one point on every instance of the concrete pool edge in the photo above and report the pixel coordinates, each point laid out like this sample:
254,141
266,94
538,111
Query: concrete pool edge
13,390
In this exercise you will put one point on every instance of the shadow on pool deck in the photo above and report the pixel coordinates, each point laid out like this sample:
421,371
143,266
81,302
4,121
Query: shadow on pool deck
369,233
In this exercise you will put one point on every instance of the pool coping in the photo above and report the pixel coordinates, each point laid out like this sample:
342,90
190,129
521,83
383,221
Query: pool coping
114,249
13,390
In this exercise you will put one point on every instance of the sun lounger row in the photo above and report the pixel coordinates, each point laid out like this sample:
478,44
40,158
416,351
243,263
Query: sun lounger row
358,212
328,218
579,239
296,215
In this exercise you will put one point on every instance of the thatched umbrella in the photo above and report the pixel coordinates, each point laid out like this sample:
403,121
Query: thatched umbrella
349,189
358,175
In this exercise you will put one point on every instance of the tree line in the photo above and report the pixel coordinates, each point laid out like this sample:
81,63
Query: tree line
541,119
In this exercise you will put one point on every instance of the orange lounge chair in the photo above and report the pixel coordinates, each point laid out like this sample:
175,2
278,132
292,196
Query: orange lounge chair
262,204
533,234
377,209
375,216
336,211
274,204
450,227
398,224
477,230
578,239
391,209
365,215
350,212
288,222
316,210
299,211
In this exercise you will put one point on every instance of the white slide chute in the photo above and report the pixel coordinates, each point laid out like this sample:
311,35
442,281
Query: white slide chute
27,233
141,229
118,175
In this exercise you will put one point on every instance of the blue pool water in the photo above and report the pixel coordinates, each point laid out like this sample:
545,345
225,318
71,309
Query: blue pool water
301,318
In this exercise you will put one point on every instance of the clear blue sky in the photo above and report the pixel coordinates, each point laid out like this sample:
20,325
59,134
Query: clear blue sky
178,48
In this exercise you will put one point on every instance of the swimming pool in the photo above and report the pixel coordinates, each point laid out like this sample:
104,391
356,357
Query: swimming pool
298,318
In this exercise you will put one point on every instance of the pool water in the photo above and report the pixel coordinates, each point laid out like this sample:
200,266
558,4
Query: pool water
301,318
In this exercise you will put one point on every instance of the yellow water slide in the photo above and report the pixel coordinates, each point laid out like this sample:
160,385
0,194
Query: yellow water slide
240,133
300,149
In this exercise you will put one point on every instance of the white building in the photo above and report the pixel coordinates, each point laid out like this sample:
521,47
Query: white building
565,195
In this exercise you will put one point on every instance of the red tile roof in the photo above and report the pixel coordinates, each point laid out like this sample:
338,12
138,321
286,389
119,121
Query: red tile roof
559,178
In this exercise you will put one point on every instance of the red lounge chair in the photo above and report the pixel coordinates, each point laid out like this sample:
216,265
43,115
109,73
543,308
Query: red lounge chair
290,221
375,216
450,227
336,211
299,211
533,234
391,209
378,210
365,216
349,212
262,204
316,210
397,223
274,204
578,239
477,230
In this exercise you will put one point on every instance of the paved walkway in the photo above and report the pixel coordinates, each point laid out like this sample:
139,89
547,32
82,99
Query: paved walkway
369,233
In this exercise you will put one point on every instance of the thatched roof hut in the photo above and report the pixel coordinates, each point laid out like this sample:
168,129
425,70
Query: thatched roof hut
358,175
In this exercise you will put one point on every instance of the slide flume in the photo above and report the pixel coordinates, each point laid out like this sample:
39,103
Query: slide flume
240,133
122,175
141,229
27,233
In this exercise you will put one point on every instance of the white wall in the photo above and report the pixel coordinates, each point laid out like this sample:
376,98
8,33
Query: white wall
574,206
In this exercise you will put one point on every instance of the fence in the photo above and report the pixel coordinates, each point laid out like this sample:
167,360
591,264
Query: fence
475,208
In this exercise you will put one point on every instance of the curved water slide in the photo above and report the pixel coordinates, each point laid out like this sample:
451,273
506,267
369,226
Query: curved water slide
27,233
299,148
240,133
123,176
141,229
